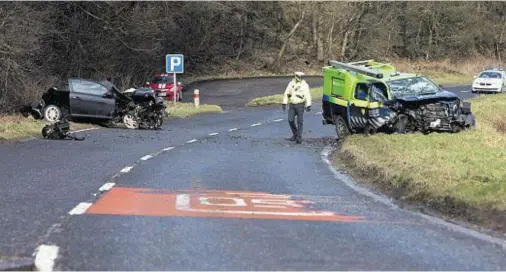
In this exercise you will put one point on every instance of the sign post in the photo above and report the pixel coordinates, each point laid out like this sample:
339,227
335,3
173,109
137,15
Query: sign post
174,64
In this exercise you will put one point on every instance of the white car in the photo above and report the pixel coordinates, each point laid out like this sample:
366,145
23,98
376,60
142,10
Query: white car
490,80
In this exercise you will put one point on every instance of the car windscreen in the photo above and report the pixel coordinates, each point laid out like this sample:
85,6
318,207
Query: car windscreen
490,75
412,86
162,79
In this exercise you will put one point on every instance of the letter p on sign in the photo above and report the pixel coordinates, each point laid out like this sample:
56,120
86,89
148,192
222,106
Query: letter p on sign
174,63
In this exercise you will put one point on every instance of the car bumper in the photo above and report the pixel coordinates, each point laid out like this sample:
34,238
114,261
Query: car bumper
486,89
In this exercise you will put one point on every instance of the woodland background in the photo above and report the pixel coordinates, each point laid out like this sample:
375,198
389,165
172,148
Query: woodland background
43,43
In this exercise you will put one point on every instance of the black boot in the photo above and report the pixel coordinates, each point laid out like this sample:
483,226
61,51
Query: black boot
298,140
293,138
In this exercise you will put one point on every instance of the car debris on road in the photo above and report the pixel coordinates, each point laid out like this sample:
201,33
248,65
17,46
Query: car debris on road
368,97
59,131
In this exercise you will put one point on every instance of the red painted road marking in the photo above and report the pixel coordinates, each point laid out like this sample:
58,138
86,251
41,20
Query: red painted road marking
210,203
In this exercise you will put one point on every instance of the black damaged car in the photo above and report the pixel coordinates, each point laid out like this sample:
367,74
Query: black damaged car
99,102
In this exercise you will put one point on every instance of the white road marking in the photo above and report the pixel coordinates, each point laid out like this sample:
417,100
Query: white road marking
191,141
80,208
168,148
257,124
233,129
277,120
183,204
465,91
81,130
213,134
107,186
44,259
126,169
318,113
147,157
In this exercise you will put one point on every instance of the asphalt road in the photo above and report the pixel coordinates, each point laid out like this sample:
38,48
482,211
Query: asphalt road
175,203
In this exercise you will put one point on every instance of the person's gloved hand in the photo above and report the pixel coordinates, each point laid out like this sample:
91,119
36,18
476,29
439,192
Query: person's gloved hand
308,108
284,107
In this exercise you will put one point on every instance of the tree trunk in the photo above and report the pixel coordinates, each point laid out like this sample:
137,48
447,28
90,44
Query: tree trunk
244,20
330,37
275,65
314,29
498,46
344,44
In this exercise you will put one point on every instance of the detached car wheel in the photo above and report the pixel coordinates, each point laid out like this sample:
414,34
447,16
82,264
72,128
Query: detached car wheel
130,121
52,113
341,127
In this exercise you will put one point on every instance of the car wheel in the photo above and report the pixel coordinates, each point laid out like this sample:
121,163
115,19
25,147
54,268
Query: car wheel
52,113
341,127
130,122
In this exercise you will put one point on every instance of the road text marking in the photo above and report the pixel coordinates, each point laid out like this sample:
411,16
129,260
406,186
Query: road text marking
211,203
80,208
44,259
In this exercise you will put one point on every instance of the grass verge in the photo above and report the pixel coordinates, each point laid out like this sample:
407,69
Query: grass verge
462,175
184,110
316,94
15,127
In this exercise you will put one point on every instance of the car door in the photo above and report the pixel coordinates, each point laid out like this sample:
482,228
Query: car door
358,107
90,99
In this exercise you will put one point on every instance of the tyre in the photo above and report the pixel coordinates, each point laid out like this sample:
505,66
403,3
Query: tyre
158,121
342,130
52,113
130,121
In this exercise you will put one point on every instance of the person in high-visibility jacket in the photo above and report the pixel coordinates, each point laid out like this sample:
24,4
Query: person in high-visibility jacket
298,95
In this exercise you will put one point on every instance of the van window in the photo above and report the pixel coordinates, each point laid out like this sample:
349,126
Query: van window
337,87
361,91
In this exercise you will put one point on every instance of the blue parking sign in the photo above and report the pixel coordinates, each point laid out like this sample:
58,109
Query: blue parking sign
174,63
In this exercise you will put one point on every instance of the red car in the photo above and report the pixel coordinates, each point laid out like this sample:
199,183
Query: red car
162,84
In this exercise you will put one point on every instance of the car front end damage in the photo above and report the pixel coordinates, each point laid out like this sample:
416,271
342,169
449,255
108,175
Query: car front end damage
433,114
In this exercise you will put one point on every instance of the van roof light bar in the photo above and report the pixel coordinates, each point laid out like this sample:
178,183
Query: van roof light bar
355,68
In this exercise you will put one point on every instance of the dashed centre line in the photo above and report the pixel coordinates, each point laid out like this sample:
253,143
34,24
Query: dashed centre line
168,148
107,186
147,157
126,169
46,254
213,134
191,141
233,129
277,120
257,124
80,208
